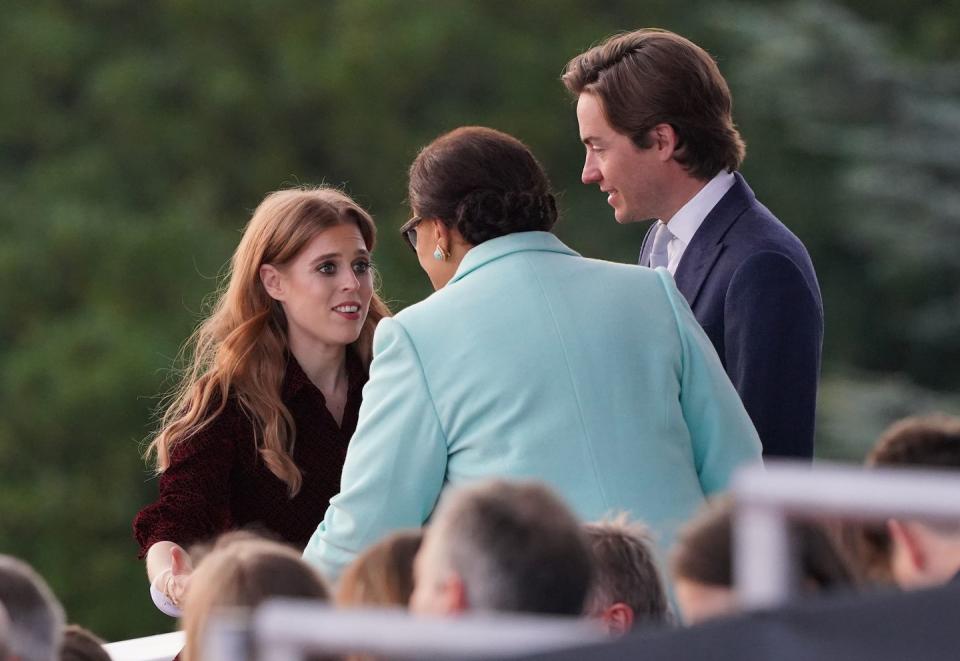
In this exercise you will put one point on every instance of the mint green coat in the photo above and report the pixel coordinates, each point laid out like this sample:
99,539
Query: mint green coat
537,363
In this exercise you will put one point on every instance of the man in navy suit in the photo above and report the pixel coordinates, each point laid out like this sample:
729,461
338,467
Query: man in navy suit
655,118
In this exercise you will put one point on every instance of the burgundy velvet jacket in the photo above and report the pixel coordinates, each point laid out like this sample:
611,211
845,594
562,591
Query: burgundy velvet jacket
216,481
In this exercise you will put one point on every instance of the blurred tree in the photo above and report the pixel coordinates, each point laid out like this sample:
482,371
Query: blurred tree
870,138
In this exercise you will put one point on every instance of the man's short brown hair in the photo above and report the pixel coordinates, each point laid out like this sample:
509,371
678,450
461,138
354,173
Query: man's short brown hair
703,552
649,77
931,441
625,570
516,546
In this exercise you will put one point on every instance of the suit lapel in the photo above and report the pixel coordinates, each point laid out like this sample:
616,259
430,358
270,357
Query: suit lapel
707,244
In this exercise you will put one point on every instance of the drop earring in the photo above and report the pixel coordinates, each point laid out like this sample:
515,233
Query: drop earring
439,254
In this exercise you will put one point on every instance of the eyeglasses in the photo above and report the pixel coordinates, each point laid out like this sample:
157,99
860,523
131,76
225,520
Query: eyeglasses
409,231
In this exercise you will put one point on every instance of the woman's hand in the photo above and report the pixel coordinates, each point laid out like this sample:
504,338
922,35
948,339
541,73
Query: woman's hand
178,576
169,568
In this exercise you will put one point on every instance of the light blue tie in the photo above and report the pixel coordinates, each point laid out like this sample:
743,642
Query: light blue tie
658,254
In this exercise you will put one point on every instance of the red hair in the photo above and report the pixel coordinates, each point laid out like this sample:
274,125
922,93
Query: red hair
240,349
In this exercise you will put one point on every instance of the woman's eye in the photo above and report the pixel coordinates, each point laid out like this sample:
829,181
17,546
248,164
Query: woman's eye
327,268
361,267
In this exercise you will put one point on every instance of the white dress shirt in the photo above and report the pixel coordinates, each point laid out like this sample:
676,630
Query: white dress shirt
688,219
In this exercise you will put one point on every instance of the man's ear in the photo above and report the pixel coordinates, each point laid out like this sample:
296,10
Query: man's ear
617,618
665,141
455,594
272,281
906,540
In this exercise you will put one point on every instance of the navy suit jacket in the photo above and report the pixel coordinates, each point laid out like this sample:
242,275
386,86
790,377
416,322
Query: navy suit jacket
752,287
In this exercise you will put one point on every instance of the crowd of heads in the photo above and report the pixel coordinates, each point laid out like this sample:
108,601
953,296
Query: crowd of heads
515,547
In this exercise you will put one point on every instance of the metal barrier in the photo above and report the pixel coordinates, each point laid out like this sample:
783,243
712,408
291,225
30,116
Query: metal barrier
288,630
765,497
162,647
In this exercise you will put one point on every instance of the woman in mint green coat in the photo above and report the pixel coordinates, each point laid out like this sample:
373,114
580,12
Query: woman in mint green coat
529,362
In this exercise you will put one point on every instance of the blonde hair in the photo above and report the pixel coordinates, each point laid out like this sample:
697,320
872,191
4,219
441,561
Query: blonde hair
240,347
383,574
243,572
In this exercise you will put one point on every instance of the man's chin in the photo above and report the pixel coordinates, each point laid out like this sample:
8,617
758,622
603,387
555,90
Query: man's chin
624,217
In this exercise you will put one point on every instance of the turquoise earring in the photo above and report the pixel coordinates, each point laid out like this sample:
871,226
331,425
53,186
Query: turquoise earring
439,255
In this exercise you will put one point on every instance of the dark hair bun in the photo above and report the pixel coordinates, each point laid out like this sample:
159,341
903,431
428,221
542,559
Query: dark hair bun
486,214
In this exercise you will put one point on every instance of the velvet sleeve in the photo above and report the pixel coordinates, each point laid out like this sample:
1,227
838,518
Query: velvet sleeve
194,500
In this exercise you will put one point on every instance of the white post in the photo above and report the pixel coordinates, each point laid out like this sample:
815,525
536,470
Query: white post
227,637
764,498
282,627
281,652
761,555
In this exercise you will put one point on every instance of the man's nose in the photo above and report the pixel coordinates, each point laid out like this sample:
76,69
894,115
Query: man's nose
591,173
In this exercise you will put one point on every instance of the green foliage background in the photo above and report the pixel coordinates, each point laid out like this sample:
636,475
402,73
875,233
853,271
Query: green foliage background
136,137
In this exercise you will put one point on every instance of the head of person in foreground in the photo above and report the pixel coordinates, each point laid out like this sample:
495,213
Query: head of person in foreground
502,546
920,553
242,572
383,574
35,616
627,589
702,563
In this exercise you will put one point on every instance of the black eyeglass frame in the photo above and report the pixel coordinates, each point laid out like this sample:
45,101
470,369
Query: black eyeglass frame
409,231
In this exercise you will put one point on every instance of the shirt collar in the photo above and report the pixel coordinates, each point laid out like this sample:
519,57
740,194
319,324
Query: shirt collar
688,219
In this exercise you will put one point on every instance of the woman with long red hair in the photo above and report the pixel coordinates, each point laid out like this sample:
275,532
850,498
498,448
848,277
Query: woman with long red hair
256,432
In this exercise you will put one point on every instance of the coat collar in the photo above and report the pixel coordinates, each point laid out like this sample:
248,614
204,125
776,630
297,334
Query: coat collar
502,246
707,243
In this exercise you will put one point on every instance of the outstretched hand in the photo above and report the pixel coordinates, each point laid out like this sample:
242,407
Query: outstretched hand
181,568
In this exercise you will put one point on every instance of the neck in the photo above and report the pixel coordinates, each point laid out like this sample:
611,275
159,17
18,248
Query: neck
458,251
685,190
324,364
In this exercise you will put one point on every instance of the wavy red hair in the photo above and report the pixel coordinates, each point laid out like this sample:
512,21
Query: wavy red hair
240,349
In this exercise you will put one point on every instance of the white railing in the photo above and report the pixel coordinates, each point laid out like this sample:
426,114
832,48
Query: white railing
286,630
162,647
765,498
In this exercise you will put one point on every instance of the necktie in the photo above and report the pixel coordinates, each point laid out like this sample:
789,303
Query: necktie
658,254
